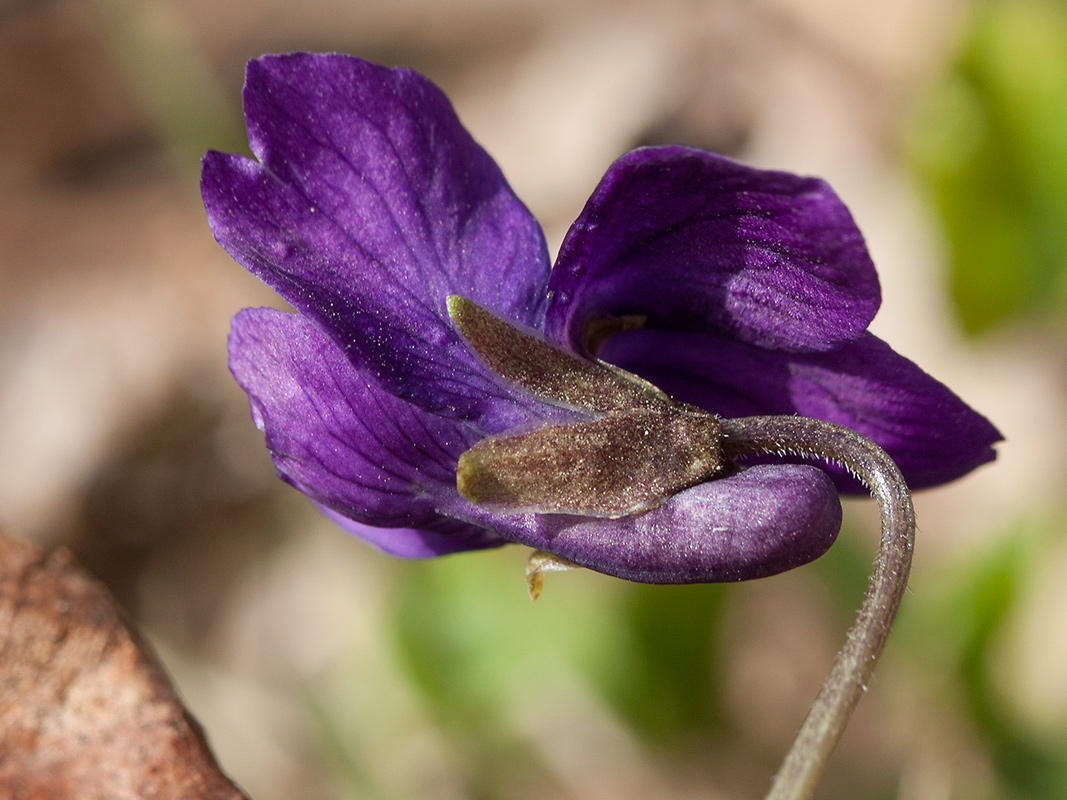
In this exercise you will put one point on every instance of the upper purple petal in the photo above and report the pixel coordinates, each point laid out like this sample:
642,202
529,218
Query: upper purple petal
369,205
933,436
761,521
358,451
699,242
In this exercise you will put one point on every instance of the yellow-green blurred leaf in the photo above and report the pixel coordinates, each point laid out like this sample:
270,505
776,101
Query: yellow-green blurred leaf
989,143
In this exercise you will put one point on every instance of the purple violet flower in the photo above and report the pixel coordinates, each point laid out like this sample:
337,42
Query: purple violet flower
735,290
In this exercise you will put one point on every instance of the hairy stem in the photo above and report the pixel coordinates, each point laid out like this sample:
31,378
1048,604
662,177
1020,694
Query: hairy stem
799,773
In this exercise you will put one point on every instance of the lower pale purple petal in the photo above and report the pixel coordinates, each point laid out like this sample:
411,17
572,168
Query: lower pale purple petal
698,242
439,537
762,521
353,448
933,436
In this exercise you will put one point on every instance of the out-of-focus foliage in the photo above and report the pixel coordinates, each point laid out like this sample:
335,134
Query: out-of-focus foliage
953,635
990,145
473,641
990,142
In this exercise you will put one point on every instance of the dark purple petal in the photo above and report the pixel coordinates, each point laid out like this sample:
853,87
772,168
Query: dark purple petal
762,521
930,432
439,537
369,205
351,447
701,243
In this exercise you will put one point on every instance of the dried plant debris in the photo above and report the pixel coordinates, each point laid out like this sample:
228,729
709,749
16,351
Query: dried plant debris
86,709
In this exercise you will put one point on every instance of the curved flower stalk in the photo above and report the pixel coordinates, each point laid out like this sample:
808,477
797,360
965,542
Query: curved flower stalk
855,663
441,389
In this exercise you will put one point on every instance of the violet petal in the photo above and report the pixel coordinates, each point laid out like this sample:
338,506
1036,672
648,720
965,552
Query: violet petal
933,436
439,536
764,520
350,446
369,206
699,242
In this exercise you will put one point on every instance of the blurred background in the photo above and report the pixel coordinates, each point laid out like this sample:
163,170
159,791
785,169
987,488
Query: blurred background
322,669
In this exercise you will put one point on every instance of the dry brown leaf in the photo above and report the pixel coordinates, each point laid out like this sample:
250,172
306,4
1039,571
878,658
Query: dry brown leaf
86,710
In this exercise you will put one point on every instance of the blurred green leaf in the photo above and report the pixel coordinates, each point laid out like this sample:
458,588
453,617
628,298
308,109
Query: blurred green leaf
989,143
472,639
474,643
951,627
672,688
